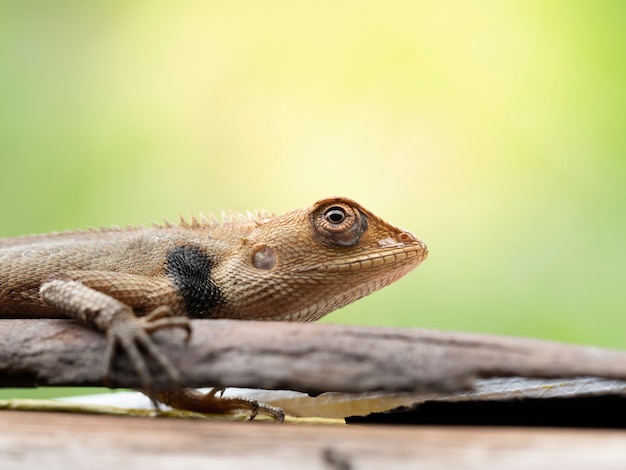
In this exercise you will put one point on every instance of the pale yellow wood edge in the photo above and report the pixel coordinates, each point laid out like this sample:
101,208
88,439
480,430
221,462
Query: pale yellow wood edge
23,404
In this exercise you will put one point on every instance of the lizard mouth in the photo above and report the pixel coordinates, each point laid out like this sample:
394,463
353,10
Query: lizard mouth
355,276
388,255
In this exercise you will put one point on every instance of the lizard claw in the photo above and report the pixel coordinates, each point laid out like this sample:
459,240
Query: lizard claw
132,335
164,317
215,390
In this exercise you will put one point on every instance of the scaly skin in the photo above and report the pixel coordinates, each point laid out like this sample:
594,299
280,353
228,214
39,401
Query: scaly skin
130,282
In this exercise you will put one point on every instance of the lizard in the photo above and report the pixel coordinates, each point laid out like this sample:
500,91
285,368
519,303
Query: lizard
130,282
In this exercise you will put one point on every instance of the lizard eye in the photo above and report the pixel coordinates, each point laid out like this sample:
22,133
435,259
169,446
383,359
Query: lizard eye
338,224
335,215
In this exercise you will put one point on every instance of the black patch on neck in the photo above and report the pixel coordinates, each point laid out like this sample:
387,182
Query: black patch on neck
189,268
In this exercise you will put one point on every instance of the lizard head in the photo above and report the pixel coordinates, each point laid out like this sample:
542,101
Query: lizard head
303,264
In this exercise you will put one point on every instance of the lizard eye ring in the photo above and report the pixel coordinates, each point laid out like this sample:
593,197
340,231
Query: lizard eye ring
338,223
335,215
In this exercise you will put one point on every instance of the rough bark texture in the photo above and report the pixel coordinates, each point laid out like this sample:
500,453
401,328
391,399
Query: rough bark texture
306,357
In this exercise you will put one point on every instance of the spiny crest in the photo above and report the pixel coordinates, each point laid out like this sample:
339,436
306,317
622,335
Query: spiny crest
64,234
96,230
228,218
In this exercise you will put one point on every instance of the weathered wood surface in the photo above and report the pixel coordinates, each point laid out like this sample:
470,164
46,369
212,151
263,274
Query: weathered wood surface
306,357
71,441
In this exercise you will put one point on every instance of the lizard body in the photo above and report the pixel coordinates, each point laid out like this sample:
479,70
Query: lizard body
130,282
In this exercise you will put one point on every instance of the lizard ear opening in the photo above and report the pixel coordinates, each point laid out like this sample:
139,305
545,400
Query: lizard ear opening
264,258
338,223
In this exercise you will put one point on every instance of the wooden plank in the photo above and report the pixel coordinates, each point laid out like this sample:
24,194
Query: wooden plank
73,441
306,357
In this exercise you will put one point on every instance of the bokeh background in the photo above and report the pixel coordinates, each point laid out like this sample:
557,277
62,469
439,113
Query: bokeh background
492,130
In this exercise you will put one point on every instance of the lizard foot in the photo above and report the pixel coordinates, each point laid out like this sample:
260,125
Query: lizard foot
194,400
132,335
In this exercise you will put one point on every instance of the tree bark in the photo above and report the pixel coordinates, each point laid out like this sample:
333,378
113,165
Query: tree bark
312,358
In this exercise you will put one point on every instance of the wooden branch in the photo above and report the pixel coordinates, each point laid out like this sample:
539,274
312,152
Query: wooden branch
312,358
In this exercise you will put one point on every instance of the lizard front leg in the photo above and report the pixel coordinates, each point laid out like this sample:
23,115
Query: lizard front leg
97,304
118,321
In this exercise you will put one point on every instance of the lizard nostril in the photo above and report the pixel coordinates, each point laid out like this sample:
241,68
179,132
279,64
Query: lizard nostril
405,237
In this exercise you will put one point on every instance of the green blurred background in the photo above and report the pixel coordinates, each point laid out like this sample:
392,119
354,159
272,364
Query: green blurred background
492,130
